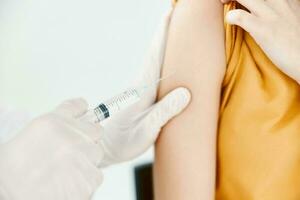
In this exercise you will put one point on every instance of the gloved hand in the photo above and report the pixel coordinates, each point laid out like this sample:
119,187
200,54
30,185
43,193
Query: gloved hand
54,157
131,132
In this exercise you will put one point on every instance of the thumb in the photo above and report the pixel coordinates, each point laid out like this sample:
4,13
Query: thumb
170,106
73,108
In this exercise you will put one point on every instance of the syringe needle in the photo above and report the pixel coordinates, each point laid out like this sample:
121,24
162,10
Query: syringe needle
159,80
120,102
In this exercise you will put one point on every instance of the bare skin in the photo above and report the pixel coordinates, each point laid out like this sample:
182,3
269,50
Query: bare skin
184,167
186,150
269,21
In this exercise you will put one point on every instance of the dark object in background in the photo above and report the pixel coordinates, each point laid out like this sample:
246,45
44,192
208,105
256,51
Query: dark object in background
143,182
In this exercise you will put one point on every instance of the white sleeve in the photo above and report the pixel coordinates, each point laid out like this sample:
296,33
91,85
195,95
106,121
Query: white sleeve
11,121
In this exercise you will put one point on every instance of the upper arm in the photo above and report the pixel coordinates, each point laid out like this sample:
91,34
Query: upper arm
185,152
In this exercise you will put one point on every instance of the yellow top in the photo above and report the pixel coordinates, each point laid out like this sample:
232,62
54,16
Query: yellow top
259,132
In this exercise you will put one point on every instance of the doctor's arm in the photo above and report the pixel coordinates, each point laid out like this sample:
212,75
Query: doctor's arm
185,157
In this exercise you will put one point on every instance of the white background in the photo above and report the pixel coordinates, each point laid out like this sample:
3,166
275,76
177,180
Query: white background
51,50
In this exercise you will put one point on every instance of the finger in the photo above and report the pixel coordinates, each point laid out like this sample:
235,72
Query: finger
87,178
170,106
258,7
91,132
74,108
93,152
244,19
93,176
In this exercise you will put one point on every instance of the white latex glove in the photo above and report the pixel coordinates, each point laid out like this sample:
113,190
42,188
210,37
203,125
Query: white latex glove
11,122
53,158
135,129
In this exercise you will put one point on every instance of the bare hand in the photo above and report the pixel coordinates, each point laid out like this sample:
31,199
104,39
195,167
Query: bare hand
275,25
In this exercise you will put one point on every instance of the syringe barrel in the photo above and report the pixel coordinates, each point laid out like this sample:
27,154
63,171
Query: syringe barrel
114,105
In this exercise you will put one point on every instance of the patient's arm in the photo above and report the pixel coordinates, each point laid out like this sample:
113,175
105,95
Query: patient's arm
186,150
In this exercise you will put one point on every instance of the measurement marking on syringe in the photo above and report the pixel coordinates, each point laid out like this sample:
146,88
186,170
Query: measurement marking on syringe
121,101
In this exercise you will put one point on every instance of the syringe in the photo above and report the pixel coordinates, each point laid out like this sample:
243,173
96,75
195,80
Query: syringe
114,105
118,103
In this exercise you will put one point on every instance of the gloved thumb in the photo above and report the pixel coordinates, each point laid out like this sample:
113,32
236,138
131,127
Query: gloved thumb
73,108
167,108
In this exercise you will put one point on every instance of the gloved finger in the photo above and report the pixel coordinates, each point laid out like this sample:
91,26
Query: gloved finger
73,108
93,175
93,152
91,132
86,177
170,106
